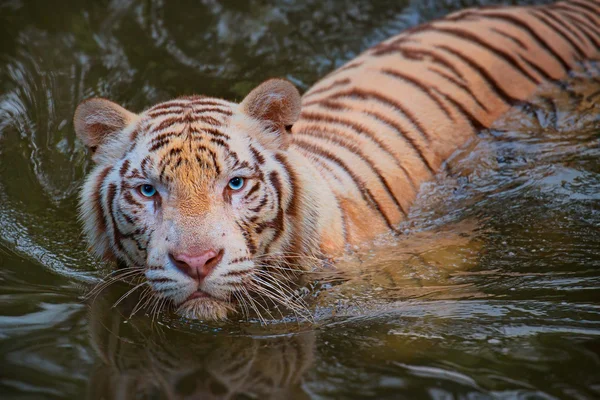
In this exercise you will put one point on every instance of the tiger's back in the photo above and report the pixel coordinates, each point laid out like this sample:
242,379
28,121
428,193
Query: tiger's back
386,121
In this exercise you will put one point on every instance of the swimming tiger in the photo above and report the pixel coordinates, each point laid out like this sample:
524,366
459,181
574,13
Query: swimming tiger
212,203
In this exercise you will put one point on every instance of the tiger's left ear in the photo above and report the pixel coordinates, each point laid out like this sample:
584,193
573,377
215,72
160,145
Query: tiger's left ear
98,124
276,102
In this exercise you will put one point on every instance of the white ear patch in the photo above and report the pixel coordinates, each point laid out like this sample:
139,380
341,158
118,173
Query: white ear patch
98,121
276,101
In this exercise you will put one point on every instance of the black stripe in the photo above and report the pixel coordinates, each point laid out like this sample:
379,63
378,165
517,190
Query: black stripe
169,104
162,178
427,89
523,46
175,151
333,139
202,160
143,165
257,156
572,7
466,113
128,197
219,142
252,190
430,56
536,68
366,194
135,174
209,131
124,168
592,10
261,204
111,195
227,112
292,208
206,101
506,57
363,131
213,157
162,139
248,239
513,39
127,217
381,118
209,120
323,164
97,199
319,160
559,32
492,83
371,94
578,22
512,20
167,122
461,85
565,23
133,136
277,224
159,144
336,83
161,113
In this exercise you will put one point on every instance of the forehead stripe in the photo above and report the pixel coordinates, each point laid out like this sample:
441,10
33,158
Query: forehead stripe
225,111
209,120
210,131
169,104
209,102
167,122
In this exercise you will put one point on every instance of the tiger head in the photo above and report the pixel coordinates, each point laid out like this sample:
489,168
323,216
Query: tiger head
197,193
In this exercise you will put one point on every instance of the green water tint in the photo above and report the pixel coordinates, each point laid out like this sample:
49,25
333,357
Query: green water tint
494,293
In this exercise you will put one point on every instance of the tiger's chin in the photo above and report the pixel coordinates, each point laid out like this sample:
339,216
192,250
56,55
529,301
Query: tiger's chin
205,308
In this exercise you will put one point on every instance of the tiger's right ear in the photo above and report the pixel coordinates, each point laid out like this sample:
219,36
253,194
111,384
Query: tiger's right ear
98,123
276,101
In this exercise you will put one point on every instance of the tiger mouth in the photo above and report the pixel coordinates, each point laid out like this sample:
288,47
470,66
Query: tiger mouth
202,296
201,305
199,294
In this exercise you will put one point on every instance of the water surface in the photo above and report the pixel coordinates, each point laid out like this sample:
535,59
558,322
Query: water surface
493,293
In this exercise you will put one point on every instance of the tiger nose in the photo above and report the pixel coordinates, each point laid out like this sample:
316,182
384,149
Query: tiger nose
197,265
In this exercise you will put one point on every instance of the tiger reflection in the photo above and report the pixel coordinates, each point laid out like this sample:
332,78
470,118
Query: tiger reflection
138,361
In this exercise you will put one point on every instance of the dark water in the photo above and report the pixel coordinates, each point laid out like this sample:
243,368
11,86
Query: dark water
494,294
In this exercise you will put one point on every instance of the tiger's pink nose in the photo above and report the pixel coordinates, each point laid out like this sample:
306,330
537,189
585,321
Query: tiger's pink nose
199,265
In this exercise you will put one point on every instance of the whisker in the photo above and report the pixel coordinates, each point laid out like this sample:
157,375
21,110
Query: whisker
101,286
253,305
128,293
146,296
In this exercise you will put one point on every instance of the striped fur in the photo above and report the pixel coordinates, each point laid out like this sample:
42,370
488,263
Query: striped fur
348,169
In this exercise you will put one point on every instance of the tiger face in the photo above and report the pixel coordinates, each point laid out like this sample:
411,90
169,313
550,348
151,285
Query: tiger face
195,192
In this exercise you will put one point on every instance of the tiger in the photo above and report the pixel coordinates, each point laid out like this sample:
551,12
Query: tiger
212,203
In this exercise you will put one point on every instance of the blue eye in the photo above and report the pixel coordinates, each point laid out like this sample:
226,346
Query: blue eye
236,183
147,190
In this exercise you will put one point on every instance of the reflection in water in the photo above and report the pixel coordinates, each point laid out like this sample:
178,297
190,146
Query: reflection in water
139,360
